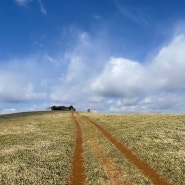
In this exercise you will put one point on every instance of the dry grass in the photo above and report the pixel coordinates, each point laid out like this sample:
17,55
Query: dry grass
156,138
105,164
36,148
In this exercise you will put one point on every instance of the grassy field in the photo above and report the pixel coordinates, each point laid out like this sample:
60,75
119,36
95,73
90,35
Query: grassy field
37,147
158,139
105,164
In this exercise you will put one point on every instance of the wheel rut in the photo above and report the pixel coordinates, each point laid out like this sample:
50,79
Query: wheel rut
144,167
104,159
78,175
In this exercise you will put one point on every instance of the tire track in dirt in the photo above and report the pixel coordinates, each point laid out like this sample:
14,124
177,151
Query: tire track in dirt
78,175
112,170
145,168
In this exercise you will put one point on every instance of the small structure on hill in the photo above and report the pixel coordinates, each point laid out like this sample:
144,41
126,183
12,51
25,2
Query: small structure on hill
63,108
88,110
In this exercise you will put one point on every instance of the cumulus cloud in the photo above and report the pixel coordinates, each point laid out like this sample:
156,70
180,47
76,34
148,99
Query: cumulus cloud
124,78
120,84
86,75
164,102
121,77
139,83
14,89
168,66
84,60
26,79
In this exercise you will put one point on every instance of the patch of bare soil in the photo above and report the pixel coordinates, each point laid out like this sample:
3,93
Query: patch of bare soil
78,175
145,168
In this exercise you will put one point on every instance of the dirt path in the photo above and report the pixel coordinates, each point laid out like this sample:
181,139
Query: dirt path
145,168
78,176
104,159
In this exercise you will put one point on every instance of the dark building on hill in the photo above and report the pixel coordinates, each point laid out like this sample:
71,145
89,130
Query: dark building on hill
63,108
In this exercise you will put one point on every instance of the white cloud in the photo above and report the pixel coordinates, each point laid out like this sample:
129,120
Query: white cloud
85,58
122,77
159,103
133,13
158,85
25,79
87,76
76,70
169,65
42,8
8,111
26,2
22,2
97,17
14,88
123,84
84,61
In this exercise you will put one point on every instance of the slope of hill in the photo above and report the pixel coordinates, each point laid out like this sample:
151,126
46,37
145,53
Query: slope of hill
36,148
45,147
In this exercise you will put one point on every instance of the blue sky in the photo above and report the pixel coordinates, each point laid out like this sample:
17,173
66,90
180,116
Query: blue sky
118,56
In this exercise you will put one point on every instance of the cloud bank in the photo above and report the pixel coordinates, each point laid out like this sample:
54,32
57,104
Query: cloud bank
125,78
157,82
14,88
121,85
87,75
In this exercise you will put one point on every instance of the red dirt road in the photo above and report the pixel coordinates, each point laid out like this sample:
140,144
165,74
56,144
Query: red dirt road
145,168
78,176
78,173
